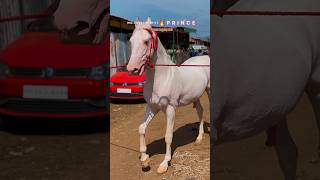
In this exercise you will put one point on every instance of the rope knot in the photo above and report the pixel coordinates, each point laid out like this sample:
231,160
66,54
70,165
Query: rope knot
149,64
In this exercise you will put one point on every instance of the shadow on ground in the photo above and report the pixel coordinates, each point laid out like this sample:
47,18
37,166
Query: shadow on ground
182,136
128,101
28,126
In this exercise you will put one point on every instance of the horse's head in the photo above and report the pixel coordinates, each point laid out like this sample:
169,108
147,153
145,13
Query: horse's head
144,43
82,20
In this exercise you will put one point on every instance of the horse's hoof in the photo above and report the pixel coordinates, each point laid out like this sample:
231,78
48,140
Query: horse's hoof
145,163
146,169
198,141
162,169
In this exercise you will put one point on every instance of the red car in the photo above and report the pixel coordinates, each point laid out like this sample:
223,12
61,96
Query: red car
40,76
125,86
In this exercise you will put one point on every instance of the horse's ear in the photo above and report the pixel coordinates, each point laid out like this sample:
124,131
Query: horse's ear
137,23
149,22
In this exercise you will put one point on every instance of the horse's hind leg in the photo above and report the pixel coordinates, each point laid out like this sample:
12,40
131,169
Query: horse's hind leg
144,157
313,91
286,150
315,101
199,109
208,91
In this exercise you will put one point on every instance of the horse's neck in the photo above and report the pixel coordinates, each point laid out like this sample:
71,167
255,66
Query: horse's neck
161,56
159,73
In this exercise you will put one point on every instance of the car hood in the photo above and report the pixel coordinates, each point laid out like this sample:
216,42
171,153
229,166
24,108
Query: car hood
44,49
124,77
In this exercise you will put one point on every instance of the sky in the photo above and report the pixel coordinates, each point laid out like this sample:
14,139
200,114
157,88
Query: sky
166,9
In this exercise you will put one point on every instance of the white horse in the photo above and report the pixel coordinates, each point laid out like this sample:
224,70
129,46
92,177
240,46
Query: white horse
262,67
166,88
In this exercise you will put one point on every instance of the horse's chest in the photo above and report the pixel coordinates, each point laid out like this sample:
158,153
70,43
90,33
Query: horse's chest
162,94
161,99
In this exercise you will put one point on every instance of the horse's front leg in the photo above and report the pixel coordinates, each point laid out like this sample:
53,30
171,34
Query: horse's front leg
170,113
144,157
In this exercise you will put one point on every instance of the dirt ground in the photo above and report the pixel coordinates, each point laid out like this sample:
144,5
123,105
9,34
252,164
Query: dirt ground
250,159
189,161
54,149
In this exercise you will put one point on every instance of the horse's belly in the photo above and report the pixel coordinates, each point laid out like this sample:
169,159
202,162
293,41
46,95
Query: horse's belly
231,131
191,93
187,100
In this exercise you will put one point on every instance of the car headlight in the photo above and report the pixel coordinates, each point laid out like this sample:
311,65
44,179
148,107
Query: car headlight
99,73
4,70
141,83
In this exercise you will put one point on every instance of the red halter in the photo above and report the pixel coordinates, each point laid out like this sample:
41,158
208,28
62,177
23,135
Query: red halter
153,46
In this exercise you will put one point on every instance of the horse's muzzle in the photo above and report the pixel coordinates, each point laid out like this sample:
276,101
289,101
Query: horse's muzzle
136,71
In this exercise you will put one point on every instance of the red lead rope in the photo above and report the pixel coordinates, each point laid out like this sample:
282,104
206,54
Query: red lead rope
265,13
16,18
168,65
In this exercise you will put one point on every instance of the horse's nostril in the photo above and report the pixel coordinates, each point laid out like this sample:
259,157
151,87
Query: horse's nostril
83,24
81,28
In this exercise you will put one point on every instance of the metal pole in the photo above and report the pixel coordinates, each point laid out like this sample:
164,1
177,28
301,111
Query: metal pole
173,47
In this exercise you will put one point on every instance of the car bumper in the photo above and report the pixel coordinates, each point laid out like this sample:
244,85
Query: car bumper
126,95
86,98
136,92
53,108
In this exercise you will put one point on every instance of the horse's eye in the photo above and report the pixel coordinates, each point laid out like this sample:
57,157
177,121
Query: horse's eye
146,43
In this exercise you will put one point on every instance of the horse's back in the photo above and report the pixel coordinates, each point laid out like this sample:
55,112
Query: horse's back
198,59
202,64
